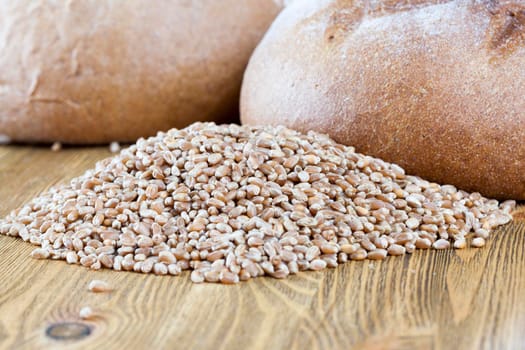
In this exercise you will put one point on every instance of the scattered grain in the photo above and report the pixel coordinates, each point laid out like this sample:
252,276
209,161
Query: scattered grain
98,286
114,147
57,146
86,313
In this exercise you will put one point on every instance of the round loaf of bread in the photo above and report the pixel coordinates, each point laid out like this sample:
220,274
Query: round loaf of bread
435,86
115,70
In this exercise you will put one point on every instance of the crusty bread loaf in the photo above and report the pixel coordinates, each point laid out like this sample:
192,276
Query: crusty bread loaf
99,71
435,86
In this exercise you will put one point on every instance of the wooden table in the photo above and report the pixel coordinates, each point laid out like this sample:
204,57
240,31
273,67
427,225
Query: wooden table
469,299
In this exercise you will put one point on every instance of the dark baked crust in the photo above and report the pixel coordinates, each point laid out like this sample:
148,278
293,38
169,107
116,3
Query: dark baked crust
80,72
436,88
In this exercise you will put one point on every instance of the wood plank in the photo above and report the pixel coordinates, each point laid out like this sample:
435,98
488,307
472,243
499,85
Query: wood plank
469,299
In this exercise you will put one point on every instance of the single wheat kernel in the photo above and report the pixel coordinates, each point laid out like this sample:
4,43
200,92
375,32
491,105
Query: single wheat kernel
396,249
55,147
441,244
378,254
317,265
460,244
40,253
114,147
478,242
99,286
197,276
86,313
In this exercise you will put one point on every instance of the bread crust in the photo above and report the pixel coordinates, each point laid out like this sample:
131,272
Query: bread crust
100,71
435,86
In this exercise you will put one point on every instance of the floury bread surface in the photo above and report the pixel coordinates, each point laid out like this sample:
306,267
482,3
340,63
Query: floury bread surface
435,86
101,71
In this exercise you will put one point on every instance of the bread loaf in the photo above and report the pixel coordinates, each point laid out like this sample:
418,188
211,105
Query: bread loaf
99,71
435,86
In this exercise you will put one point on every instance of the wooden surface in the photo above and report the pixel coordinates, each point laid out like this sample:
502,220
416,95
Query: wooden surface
470,299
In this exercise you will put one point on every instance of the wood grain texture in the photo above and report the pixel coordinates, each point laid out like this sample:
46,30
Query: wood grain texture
469,299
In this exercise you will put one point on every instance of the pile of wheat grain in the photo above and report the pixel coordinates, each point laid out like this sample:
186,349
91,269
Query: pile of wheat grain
234,202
